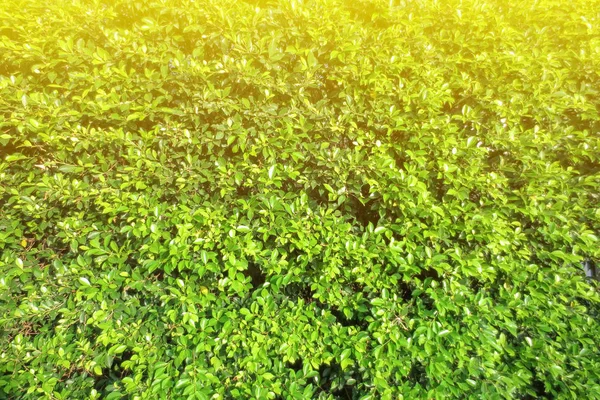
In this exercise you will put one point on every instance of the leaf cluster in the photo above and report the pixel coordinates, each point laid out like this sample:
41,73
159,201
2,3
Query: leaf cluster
299,199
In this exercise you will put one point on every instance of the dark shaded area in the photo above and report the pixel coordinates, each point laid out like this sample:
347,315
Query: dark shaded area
255,273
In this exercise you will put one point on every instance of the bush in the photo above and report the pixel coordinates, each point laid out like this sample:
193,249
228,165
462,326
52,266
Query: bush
299,199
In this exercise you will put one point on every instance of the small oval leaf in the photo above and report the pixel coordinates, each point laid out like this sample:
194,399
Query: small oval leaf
85,281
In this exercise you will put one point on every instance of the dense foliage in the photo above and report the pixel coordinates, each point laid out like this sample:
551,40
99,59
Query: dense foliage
299,199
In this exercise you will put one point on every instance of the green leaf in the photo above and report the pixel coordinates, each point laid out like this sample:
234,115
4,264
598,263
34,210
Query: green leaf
345,354
271,171
311,61
114,396
120,349
85,281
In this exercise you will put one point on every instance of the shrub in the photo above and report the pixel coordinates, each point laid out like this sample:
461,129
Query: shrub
299,199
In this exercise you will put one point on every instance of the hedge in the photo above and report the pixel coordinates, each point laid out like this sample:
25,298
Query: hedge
331,199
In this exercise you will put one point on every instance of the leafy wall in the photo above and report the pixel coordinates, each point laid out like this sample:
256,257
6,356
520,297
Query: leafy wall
299,199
